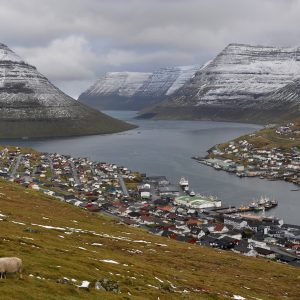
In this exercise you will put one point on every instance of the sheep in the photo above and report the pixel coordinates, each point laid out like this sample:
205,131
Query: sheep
10,265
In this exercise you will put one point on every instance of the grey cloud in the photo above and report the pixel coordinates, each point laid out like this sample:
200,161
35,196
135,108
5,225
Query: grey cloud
73,41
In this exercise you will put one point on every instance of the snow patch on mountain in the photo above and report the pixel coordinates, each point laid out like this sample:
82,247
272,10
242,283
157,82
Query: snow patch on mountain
7,55
121,83
185,73
239,74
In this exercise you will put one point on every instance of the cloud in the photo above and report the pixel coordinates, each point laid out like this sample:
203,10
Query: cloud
78,40
63,59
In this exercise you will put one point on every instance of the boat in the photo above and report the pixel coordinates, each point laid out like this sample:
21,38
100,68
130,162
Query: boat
192,193
244,208
263,200
184,183
259,208
253,205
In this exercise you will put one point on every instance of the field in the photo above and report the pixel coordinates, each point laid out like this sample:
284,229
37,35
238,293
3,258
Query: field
57,240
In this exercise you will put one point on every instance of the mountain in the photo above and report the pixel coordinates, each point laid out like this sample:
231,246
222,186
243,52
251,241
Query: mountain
282,105
233,86
136,90
31,106
62,246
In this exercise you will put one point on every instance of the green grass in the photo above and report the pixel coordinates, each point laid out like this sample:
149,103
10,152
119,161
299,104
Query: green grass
204,272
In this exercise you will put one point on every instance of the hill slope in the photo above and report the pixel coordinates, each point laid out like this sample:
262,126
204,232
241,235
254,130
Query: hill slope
56,240
30,106
234,86
136,90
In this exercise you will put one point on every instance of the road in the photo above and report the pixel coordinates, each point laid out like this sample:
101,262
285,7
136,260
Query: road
74,172
50,163
123,186
16,166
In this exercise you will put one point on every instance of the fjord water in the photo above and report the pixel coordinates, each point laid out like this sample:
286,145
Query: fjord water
166,147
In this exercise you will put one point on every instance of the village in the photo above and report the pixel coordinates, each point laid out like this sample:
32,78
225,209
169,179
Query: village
245,160
155,204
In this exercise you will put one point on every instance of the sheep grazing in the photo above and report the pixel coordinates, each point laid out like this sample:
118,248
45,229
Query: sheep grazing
10,265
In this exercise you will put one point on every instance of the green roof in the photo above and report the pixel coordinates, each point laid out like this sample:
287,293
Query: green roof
196,200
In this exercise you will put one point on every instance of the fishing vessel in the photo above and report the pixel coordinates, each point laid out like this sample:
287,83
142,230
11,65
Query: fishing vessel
192,193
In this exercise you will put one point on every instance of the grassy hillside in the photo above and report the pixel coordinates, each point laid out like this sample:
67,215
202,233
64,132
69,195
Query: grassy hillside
268,138
168,111
83,245
94,123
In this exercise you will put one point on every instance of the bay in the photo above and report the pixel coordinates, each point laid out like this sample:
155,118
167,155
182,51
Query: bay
160,147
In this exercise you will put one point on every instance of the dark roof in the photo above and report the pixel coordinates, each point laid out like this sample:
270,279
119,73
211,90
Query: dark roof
242,247
286,258
295,263
258,236
134,214
232,232
263,251
161,201
167,233
183,238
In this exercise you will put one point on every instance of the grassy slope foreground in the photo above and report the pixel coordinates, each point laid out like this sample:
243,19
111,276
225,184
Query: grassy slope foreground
85,246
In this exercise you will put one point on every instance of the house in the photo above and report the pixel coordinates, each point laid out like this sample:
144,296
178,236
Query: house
220,228
226,243
234,234
244,248
265,252
169,234
33,186
235,221
169,190
286,258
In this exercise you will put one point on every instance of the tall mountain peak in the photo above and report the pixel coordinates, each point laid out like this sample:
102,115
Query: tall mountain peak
239,77
6,54
31,106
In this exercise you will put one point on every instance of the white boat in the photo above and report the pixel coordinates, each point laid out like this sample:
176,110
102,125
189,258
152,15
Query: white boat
192,193
263,200
183,182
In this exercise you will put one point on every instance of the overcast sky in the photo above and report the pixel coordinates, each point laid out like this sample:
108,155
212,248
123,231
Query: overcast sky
73,42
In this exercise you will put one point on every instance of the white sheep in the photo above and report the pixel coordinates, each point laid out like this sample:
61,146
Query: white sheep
10,265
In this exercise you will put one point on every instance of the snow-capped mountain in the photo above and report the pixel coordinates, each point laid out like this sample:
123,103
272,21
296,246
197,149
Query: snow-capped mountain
33,107
281,105
240,76
120,83
136,90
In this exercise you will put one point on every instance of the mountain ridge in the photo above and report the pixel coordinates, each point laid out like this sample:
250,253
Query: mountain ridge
145,89
240,77
31,106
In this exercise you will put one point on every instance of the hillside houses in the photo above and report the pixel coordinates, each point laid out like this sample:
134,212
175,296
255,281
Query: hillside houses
242,158
104,187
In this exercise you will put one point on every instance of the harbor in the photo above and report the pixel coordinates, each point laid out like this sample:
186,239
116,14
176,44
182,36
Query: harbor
168,209
260,205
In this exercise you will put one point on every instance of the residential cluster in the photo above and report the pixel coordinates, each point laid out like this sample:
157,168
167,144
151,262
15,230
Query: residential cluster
150,203
243,159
